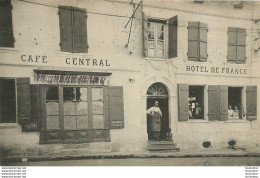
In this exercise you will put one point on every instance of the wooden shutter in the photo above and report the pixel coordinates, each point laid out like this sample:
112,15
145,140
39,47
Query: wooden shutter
223,102
183,100
145,34
213,102
35,105
65,17
193,41
203,31
80,31
173,28
241,45
116,107
251,102
232,42
23,100
6,25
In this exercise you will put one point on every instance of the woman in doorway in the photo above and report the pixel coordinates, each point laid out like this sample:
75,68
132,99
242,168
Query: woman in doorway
156,114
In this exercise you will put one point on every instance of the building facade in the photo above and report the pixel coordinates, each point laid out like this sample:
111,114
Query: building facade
82,74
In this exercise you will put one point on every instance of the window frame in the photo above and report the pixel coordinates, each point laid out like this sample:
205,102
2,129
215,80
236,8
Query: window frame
165,36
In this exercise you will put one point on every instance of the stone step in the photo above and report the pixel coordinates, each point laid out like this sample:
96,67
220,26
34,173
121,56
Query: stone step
168,142
167,145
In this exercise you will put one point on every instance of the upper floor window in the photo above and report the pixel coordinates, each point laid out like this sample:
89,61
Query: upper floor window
73,29
160,37
6,25
156,39
197,41
236,45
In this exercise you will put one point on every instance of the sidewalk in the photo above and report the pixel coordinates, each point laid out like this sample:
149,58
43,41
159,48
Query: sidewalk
225,152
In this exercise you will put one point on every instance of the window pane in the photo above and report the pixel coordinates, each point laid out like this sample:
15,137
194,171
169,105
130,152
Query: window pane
52,108
82,108
97,107
151,26
52,93
160,35
150,44
52,122
151,52
160,52
82,122
196,104
97,94
160,44
69,93
160,27
69,108
151,35
98,121
69,122
83,94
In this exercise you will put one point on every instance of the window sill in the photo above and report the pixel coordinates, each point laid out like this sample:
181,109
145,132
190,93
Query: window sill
197,62
236,64
236,121
69,54
9,125
8,50
197,121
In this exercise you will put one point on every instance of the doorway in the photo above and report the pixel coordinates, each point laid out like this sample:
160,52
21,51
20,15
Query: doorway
158,92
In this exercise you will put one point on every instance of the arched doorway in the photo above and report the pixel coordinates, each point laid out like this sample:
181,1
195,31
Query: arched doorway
158,92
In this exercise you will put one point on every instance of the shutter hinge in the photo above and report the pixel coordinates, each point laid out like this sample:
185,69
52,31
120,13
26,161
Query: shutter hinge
13,39
245,34
59,44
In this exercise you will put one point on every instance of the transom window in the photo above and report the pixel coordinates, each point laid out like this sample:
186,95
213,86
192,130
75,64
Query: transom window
156,42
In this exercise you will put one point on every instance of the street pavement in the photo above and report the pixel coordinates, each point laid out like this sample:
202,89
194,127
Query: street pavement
199,161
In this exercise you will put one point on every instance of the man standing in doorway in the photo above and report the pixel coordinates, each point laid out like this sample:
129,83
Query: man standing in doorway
156,114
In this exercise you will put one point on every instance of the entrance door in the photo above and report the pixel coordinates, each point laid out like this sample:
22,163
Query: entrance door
157,92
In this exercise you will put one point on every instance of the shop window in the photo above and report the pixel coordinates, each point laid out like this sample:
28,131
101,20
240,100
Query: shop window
7,101
156,43
236,45
196,102
197,41
75,107
73,29
235,107
52,108
6,25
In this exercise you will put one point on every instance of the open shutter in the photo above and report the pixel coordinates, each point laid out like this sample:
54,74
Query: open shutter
145,34
213,102
80,31
173,28
116,107
65,16
23,100
251,102
203,31
241,45
223,102
6,25
183,99
193,41
35,105
232,42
